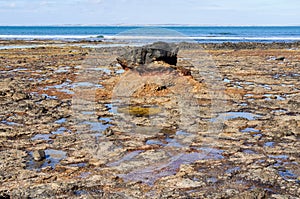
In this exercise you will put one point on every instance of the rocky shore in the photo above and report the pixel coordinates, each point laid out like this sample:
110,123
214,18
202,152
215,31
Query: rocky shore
223,121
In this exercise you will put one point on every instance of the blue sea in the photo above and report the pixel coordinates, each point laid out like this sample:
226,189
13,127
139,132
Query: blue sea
175,33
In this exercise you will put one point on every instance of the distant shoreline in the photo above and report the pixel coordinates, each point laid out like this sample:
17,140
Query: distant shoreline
14,44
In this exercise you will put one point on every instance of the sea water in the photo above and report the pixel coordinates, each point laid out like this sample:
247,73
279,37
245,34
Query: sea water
201,34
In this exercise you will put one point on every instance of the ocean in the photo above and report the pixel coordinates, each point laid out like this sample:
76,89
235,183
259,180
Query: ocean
173,33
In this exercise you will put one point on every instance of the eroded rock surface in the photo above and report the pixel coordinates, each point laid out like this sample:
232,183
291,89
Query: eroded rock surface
101,141
159,51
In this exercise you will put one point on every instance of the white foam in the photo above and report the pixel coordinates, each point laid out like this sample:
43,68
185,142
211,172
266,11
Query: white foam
121,37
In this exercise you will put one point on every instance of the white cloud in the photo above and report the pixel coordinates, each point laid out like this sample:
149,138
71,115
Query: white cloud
87,1
46,3
9,5
148,11
12,5
95,1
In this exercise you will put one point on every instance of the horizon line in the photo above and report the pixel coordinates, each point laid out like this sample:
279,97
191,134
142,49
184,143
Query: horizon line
150,25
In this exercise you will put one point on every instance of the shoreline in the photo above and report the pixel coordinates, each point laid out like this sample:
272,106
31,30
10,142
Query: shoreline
185,45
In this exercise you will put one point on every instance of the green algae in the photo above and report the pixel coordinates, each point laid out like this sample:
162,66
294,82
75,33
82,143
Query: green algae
140,111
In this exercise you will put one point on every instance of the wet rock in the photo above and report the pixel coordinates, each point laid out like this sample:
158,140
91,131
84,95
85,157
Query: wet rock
39,155
159,51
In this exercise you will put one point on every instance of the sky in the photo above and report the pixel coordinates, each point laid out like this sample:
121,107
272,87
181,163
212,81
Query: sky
116,12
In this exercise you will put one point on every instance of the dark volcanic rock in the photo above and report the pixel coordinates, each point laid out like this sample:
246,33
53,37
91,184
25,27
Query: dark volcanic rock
159,51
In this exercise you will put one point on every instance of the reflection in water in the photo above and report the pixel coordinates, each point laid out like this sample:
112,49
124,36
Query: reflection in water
60,131
269,144
288,175
149,174
250,130
53,157
42,137
235,115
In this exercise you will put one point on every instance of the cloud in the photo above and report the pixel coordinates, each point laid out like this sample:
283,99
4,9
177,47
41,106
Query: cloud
88,1
9,5
47,3
95,1
148,11
12,5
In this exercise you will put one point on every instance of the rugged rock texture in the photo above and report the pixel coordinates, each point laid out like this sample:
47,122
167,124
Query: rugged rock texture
110,133
240,46
159,51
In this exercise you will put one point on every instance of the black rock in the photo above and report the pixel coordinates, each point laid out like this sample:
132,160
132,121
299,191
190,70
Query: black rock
159,51
280,58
